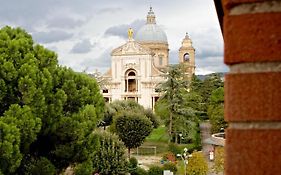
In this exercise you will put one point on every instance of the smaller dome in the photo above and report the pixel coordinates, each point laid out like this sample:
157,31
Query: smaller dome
151,33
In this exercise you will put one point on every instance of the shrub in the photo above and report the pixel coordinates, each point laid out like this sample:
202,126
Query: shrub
133,162
174,148
170,166
219,159
85,168
197,164
170,157
40,166
155,170
140,171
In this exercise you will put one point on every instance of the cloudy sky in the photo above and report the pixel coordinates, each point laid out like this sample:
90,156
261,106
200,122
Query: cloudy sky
84,32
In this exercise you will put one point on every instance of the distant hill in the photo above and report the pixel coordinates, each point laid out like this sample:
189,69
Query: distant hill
203,77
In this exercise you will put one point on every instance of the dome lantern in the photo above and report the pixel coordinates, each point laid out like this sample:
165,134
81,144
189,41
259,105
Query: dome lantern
150,18
151,32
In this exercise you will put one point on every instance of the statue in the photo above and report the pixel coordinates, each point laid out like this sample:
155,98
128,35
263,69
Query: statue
130,33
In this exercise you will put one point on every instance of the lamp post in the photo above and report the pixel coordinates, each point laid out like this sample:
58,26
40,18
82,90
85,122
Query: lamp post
184,158
180,134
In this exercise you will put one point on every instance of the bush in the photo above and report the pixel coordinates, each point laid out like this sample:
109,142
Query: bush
197,164
139,171
219,160
170,157
40,166
85,168
170,166
133,162
155,170
174,148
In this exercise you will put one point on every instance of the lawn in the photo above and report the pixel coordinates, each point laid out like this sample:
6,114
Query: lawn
159,134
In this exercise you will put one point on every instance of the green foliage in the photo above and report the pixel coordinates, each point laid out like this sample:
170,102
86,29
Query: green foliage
139,171
152,117
133,162
132,129
159,134
170,166
25,121
215,110
219,159
85,168
203,90
134,169
162,110
197,164
10,156
173,89
173,148
155,170
40,166
50,110
109,158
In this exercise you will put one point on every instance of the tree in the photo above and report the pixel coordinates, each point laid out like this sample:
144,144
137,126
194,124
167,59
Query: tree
152,117
132,128
197,164
46,110
109,158
10,156
215,110
173,89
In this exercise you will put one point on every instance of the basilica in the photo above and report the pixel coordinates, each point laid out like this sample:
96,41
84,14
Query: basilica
138,66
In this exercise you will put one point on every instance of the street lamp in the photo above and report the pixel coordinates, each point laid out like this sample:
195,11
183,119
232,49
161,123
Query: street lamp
180,134
184,158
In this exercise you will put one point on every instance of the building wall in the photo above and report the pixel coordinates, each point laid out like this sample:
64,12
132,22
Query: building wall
142,64
158,49
252,36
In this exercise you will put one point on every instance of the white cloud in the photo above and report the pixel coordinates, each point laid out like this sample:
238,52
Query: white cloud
84,46
71,26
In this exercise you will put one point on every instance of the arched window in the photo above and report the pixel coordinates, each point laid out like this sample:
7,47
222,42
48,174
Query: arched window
131,74
186,57
131,81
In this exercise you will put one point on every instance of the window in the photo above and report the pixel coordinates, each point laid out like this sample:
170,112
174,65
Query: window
186,57
131,81
160,60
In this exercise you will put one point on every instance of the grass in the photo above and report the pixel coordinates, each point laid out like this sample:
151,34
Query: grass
159,137
159,134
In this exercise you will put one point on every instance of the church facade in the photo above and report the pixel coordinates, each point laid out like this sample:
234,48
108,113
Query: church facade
138,66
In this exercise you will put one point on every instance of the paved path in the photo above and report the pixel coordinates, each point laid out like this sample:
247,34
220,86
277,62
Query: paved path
205,129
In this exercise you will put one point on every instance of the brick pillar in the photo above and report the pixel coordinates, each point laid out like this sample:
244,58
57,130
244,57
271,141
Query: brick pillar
252,36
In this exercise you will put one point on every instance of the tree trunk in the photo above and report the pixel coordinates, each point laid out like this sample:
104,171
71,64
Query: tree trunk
129,153
170,126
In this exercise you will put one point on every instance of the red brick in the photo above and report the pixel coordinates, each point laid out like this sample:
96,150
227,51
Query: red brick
253,152
252,38
253,97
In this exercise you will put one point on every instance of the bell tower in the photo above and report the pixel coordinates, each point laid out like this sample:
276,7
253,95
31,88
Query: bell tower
187,55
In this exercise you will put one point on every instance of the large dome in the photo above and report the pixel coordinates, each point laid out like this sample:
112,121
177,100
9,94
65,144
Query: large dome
151,33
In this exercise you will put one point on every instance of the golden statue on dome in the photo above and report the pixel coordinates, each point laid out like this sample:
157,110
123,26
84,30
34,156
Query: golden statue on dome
130,33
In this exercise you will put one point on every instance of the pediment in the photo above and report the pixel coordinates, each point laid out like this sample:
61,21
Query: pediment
131,47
